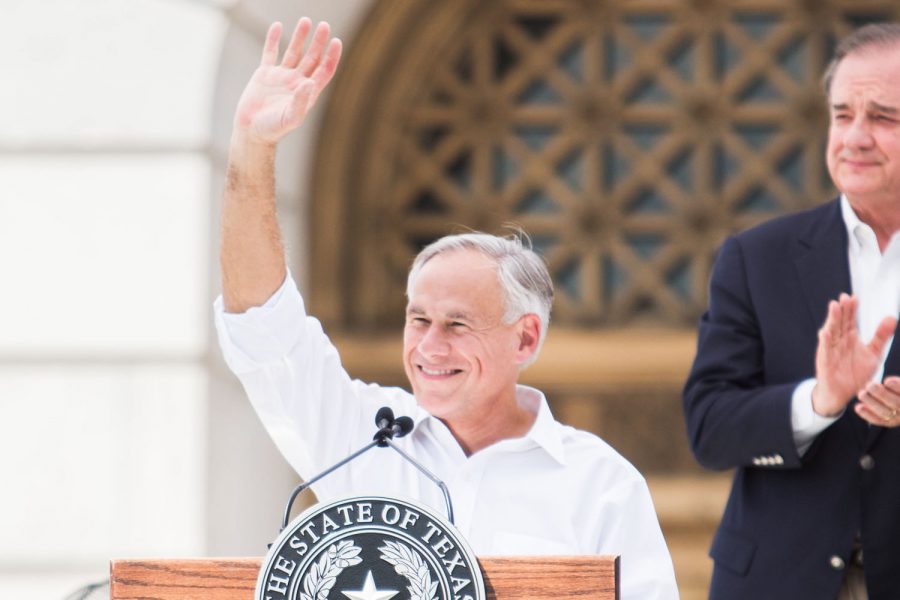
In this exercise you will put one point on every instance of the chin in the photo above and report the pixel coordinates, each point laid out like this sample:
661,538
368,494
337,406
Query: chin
855,184
436,403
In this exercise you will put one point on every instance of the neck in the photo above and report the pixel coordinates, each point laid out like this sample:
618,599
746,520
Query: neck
505,420
884,219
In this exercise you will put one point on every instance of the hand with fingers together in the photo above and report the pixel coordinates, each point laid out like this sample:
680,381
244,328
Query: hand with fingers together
845,365
279,95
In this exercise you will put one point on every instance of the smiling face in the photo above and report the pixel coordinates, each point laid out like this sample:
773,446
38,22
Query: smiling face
864,134
461,359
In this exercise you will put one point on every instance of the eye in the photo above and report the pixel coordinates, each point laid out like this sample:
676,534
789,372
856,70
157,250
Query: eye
421,321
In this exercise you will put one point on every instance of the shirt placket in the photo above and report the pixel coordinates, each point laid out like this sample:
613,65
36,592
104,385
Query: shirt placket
465,491
868,262
878,289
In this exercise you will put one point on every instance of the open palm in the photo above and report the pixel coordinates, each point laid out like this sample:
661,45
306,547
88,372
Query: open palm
279,95
844,364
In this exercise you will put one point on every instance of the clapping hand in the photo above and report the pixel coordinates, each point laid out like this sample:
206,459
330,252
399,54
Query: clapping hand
845,365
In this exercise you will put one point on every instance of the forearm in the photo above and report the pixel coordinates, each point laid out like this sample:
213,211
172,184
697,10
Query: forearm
730,427
252,252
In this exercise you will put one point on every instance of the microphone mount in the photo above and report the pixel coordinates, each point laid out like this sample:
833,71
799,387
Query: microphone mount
388,429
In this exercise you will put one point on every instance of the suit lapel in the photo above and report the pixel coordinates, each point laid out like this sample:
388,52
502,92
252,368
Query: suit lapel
824,272
822,263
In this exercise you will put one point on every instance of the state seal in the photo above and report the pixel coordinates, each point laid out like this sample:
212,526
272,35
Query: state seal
370,548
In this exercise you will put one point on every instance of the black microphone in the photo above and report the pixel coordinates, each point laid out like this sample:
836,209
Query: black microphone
384,421
384,417
388,429
402,426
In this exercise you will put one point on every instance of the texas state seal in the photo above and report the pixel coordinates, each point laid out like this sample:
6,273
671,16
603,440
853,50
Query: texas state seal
370,548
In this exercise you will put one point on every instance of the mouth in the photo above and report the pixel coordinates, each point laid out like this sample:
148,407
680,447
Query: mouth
858,163
431,372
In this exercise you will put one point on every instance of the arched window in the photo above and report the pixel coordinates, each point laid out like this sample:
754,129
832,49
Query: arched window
627,137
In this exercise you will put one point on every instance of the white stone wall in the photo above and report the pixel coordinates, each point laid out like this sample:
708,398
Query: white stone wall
121,433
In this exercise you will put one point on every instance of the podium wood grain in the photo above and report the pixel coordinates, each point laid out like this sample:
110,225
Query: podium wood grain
505,578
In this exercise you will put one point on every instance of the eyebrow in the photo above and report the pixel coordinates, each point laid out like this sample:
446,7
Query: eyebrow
415,310
459,315
884,108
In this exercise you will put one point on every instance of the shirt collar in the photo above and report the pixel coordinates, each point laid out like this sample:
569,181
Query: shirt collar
544,433
851,222
858,233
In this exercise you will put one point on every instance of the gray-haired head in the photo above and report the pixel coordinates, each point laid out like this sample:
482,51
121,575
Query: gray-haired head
867,37
523,276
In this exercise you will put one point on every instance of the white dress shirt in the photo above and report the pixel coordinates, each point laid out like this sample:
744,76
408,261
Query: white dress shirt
875,280
556,490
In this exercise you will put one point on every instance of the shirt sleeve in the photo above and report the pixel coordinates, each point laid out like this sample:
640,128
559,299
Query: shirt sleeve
805,421
646,570
292,374
263,333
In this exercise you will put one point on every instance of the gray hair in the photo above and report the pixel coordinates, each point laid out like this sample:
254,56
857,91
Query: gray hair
523,276
874,35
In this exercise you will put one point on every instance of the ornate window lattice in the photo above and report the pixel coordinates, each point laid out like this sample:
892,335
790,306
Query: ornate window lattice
627,138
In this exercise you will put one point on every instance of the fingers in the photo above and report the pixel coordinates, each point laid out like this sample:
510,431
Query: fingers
879,403
840,322
848,314
882,335
295,48
270,48
308,91
829,329
320,60
328,65
314,52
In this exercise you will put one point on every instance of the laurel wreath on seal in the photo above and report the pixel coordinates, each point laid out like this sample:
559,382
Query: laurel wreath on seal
411,566
321,577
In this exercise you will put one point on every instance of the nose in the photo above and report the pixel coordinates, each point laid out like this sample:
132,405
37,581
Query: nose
858,134
433,342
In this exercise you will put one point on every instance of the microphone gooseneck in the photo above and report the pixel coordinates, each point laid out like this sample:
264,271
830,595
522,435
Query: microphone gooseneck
388,429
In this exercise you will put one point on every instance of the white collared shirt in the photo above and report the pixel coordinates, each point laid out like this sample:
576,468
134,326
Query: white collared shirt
875,280
556,490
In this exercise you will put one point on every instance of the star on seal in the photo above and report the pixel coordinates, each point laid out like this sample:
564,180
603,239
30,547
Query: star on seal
370,592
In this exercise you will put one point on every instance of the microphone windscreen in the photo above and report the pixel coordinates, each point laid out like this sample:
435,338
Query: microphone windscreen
403,425
384,417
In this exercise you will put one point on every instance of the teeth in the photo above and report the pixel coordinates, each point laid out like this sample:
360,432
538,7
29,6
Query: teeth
436,372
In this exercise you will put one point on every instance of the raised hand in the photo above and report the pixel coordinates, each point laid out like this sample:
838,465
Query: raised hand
279,95
844,364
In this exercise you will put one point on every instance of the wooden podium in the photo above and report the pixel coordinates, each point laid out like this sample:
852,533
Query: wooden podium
505,578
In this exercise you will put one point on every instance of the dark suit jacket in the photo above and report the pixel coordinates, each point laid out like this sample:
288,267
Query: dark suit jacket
790,522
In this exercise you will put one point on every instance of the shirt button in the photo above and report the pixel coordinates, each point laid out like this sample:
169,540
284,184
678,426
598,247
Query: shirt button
836,562
867,462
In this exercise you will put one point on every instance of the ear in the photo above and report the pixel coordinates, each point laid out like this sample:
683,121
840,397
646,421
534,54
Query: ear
529,331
